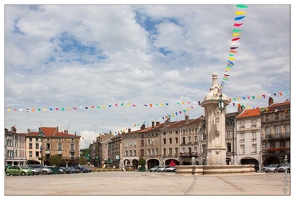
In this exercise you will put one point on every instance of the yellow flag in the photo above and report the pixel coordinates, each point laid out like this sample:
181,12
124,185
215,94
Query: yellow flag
227,69
8,109
69,108
44,109
161,104
240,13
236,34
231,58
103,106
239,98
258,96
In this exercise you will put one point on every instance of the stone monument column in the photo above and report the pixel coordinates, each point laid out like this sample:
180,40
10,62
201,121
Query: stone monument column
215,103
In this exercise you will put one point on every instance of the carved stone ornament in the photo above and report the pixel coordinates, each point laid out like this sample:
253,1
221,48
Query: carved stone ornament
217,152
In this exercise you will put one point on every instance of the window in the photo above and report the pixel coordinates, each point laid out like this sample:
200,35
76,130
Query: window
141,152
277,129
126,153
242,138
253,136
228,134
176,140
287,115
183,150
72,147
195,149
153,151
37,154
170,132
242,124
267,132
266,117
30,146
196,130
149,142
164,151
189,130
31,140
176,132
204,136
59,146
130,143
183,131
189,139
196,138
176,151
183,140
37,146
276,115
164,133
253,125
148,152
142,143
130,153
228,147
126,143
170,140
164,140
242,149
30,154
157,151
254,148
134,143
170,151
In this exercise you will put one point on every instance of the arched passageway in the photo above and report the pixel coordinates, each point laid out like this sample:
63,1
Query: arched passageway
152,163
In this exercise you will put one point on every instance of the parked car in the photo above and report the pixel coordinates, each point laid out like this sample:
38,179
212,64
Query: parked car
34,171
74,170
170,169
66,170
82,169
284,168
153,169
56,170
46,171
162,168
270,168
18,170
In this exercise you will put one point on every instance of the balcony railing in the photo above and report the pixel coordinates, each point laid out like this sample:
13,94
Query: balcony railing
278,136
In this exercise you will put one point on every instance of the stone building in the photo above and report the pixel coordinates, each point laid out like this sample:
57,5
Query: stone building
192,140
14,147
275,128
114,151
248,140
53,142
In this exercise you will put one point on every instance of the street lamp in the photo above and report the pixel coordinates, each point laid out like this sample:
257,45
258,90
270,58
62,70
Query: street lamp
41,135
221,106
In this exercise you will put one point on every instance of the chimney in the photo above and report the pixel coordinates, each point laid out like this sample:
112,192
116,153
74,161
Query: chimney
29,130
186,118
66,131
270,101
13,129
240,109
75,133
153,124
157,123
129,130
142,127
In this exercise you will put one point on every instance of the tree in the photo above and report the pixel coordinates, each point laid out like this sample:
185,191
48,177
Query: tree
141,162
55,160
83,160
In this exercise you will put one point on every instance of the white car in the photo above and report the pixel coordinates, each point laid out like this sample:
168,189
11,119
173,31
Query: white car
270,168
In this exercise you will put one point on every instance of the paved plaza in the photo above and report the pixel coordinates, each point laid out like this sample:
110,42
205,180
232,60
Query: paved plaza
147,184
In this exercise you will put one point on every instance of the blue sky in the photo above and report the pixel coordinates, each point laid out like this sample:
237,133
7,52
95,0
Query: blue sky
66,56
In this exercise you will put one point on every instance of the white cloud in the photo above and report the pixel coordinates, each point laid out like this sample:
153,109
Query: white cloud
99,55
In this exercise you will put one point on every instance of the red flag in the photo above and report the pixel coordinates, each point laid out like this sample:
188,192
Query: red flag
263,95
281,93
151,105
236,24
235,39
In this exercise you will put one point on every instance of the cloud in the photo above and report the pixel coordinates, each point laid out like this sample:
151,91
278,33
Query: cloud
77,56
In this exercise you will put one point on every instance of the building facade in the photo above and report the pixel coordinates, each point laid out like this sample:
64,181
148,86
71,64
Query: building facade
275,125
52,142
14,147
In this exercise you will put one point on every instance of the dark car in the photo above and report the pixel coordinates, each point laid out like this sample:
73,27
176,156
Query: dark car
74,170
82,169
66,170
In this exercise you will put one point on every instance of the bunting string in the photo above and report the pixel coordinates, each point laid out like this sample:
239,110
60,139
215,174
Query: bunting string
236,36
150,105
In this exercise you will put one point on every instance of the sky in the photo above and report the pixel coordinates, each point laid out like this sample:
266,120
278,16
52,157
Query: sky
123,58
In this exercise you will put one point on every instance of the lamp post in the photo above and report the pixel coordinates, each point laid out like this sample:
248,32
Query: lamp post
221,106
41,135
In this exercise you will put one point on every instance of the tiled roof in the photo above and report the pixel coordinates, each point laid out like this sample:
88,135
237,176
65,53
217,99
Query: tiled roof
278,106
249,113
193,122
52,132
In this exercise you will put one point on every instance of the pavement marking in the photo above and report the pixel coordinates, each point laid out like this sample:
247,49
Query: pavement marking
231,184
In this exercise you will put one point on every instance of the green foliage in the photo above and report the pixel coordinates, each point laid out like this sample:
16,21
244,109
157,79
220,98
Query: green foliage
141,161
55,160
83,161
